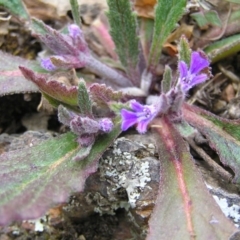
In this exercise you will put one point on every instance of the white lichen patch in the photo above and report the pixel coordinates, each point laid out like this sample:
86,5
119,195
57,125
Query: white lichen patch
229,203
39,226
230,210
38,223
123,169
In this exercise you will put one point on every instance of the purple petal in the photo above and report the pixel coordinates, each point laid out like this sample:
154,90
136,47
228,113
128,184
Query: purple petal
198,79
136,106
185,87
128,115
183,69
78,39
198,62
127,124
128,119
142,126
106,125
47,64
74,31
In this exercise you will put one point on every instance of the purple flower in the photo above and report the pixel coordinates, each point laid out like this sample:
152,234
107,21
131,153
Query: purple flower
193,75
105,125
47,64
74,31
87,128
141,115
71,50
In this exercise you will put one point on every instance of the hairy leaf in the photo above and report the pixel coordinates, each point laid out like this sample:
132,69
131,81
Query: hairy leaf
38,27
16,7
167,14
73,52
223,135
167,80
65,116
184,209
103,95
66,45
224,48
124,33
184,51
35,178
185,129
52,87
84,101
11,78
59,43
75,12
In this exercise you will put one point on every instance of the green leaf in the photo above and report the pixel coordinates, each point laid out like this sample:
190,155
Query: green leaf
83,153
200,19
84,101
213,18
223,135
204,19
224,48
167,14
11,78
235,16
146,33
229,126
185,129
184,209
184,51
234,1
16,7
38,27
167,80
124,33
76,12
35,178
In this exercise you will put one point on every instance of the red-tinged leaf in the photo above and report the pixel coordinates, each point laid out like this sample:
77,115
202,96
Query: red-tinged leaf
183,209
52,87
59,43
227,125
36,178
84,101
11,78
223,135
103,95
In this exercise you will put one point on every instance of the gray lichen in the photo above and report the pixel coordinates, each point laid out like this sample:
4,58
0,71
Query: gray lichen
127,166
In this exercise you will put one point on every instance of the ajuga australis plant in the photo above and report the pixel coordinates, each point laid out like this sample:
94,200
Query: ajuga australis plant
33,179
